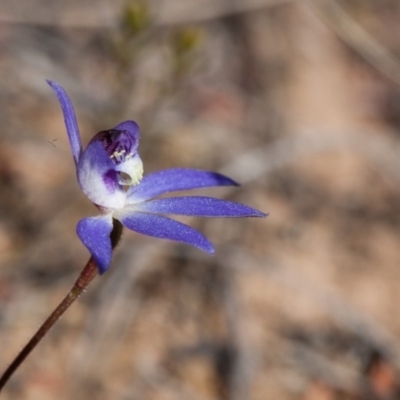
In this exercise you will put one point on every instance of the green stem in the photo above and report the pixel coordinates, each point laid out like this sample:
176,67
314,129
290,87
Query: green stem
86,276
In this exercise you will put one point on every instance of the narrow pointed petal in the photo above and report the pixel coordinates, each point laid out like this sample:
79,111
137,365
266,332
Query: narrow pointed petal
95,235
70,120
199,206
164,228
98,178
175,179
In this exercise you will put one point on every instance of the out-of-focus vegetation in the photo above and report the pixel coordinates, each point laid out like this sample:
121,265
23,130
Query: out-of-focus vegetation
300,102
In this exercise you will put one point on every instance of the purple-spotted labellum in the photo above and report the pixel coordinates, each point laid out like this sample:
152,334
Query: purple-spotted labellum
110,173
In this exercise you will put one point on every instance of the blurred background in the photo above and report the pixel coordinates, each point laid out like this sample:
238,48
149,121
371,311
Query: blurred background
297,100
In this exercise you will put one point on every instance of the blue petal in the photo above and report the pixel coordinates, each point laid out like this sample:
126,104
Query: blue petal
174,179
98,178
198,206
95,235
164,228
69,119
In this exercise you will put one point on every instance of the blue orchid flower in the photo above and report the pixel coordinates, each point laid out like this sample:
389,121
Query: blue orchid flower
110,171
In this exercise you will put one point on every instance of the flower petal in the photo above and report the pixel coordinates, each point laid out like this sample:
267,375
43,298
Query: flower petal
175,179
69,119
98,178
95,235
164,228
199,206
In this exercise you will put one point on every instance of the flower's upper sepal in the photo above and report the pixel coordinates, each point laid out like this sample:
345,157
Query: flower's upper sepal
69,119
110,162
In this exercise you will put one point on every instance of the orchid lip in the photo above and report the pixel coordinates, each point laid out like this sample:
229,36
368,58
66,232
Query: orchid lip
120,144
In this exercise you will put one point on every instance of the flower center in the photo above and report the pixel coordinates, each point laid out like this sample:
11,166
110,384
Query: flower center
120,145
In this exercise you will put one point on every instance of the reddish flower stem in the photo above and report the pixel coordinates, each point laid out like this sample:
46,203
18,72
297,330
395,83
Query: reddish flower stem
87,275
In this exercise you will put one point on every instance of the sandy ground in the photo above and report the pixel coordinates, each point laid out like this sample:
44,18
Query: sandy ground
299,102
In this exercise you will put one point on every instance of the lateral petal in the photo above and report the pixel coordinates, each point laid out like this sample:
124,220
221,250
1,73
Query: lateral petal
164,228
199,206
174,179
94,233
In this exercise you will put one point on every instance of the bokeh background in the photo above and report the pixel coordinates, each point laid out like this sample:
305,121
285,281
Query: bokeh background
297,100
